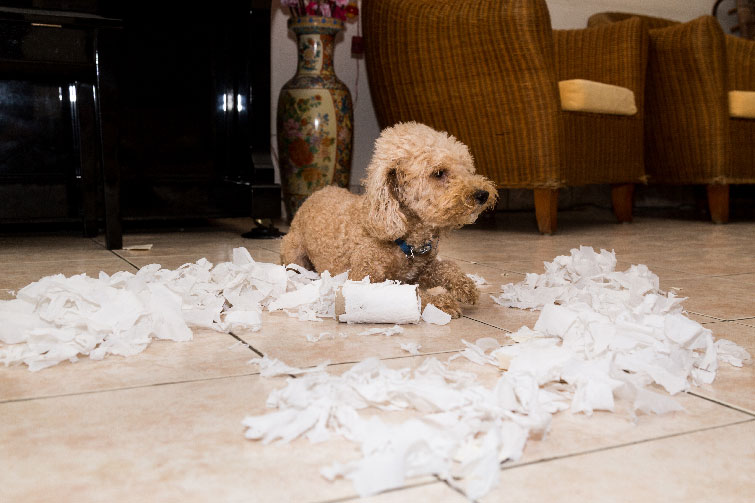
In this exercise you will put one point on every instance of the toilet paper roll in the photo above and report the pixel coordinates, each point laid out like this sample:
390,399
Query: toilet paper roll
387,302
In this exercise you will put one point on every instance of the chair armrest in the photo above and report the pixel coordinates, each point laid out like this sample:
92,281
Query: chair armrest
614,53
740,56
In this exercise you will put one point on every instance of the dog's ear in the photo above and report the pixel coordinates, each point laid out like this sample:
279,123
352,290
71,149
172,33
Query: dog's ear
384,218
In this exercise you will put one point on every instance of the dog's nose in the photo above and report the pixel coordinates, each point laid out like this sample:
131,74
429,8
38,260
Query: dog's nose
481,196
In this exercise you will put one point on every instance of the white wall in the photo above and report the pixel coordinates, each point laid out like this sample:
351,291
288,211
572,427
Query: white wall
564,14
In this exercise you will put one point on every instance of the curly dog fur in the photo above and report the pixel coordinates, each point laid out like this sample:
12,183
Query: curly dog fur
420,184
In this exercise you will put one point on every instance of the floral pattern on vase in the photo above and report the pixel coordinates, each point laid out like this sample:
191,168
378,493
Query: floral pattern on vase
315,116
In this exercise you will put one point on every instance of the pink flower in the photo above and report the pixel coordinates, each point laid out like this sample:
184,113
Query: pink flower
325,9
341,3
312,8
339,13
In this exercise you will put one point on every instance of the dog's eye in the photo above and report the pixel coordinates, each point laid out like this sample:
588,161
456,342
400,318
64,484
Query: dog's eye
439,173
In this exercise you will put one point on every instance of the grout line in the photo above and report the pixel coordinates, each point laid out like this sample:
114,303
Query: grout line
739,322
125,260
628,444
488,324
723,404
713,318
389,491
252,348
126,388
746,318
114,253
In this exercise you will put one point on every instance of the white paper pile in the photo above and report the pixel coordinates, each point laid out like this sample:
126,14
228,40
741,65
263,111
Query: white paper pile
602,335
463,432
606,332
59,318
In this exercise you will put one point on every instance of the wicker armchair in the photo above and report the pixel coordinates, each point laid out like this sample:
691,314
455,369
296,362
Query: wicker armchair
690,137
488,72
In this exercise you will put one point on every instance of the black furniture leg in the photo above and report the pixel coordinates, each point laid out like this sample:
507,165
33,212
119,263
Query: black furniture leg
88,152
107,47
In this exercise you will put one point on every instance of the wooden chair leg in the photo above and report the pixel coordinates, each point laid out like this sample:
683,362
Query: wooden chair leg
546,210
622,196
718,203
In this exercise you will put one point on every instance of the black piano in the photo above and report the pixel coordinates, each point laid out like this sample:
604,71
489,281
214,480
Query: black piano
116,111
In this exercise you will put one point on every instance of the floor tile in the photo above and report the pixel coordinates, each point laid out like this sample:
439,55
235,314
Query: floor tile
140,259
706,261
575,433
733,386
508,318
438,492
164,425
177,442
51,248
17,277
284,338
743,278
209,355
709,465
717,297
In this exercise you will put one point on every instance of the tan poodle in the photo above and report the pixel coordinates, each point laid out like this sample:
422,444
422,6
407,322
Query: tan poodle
420,183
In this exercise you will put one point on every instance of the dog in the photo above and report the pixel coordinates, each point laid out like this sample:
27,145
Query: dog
420,184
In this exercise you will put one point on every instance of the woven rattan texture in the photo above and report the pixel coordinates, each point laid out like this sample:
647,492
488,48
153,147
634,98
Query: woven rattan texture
486,72
689,136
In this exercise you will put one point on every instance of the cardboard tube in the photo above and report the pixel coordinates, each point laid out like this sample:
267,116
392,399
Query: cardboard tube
387,302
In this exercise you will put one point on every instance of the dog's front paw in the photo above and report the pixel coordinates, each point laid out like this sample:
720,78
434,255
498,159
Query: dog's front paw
443,301
465,290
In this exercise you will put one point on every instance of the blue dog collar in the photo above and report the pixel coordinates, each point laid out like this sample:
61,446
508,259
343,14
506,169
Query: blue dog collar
410,251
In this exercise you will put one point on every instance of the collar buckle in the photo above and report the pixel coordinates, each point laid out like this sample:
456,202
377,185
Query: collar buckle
410,251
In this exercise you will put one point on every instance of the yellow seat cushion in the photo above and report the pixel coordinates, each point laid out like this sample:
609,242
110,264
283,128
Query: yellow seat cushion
581,95
742,104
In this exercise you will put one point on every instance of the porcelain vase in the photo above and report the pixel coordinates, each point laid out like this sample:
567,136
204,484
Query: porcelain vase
315,116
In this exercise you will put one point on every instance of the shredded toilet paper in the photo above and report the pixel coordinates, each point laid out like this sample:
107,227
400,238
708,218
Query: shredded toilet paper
602,335
432,314
59,318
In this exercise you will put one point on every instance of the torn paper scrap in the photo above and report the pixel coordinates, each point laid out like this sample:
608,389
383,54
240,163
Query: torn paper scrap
395,329
411,347
432,314
272,367
478,280
732,353
387,302
324,335
142,247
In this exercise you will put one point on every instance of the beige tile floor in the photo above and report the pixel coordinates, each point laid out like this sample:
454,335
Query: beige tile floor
165,425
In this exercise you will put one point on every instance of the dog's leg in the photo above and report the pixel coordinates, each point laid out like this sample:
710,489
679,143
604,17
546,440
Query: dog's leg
449,276
442,300
292,251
